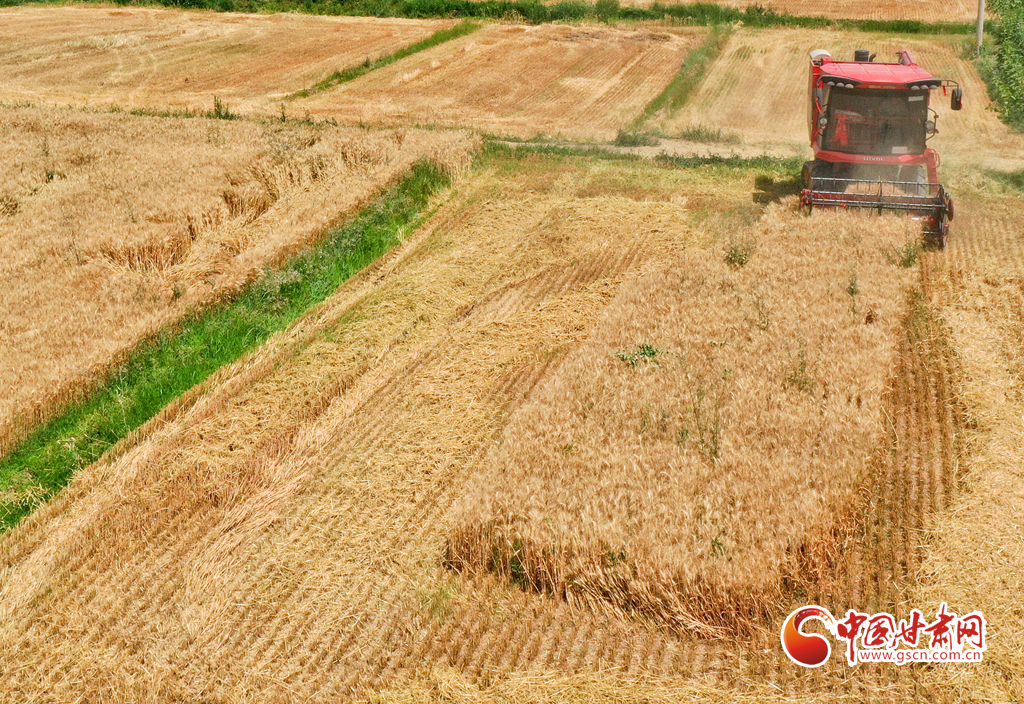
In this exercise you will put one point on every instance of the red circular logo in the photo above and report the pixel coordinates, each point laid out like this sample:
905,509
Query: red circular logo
809,650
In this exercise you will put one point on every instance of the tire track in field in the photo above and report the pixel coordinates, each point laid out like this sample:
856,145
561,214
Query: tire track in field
917,474
403,384
510,390
336,596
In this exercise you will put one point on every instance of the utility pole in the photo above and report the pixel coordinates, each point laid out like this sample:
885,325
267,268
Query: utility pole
981,24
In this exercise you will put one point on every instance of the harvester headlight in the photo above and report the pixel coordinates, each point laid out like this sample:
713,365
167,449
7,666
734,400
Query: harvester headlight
822,121
831,83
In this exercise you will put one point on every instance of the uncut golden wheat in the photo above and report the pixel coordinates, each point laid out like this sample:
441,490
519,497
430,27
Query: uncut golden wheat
158,58
115,225
703,448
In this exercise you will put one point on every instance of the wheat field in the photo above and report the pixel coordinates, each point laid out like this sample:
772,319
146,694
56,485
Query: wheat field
105,240
136,57
757,89
703,447
278,533
585,436
923,10
562,80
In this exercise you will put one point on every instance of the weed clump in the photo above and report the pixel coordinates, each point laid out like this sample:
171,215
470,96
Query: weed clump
221,111
629,138
633,356
711,135
904,255
739,252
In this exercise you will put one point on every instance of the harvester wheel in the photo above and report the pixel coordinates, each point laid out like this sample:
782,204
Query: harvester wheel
937,238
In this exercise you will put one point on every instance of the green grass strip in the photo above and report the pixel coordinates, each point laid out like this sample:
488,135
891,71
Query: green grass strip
179,358
521,150
788,168
764,163
354,72
701,13
689,76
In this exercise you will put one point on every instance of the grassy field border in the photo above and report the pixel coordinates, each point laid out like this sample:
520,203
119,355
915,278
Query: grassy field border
180,357
690,75
704,14
788,167
350,74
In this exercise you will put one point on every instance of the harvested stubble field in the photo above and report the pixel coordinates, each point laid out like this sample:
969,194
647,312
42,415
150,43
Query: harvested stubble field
171,59
922,10
115,226
977,555
757,90
584,82
278,534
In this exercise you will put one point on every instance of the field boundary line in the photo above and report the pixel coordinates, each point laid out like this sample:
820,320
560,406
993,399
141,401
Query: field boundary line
689,77
353,72
154,377
703,14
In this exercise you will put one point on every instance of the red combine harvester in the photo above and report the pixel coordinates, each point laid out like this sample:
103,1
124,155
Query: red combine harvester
869,124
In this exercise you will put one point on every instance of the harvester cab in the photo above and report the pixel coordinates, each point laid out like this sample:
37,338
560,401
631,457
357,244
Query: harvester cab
869,125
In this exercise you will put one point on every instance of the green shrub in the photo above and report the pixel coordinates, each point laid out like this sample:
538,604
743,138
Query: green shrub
606,10
568,10
628,138
1006,74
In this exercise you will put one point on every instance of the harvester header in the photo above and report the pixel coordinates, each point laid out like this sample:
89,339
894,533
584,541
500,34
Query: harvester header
869,125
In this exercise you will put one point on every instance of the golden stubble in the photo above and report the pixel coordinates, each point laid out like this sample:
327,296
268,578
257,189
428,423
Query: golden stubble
974,557
757,89
581,82
172,59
